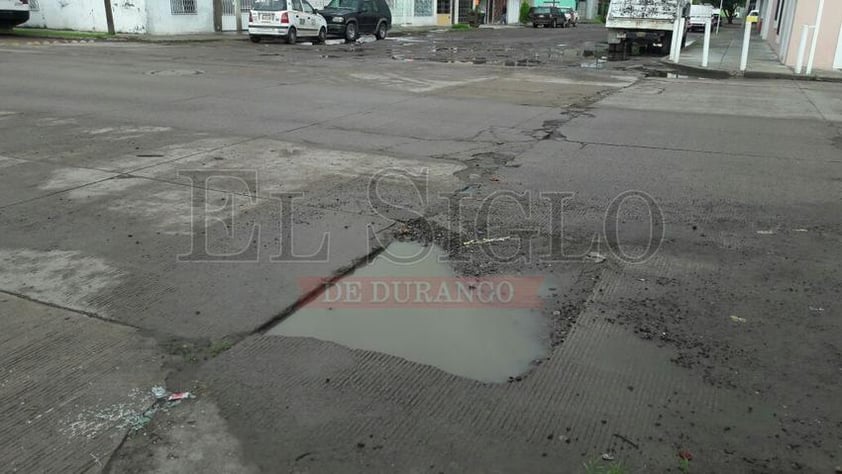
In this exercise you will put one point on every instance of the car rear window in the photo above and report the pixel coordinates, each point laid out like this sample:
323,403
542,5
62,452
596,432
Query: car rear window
270,5
542,10
352,4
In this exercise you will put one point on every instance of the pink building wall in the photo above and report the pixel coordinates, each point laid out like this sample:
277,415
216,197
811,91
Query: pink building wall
805,14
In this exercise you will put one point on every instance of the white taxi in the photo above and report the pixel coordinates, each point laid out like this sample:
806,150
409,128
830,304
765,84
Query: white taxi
289,19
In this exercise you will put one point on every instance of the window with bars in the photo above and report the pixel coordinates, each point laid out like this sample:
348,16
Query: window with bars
227,7
183,7
33,6
443,7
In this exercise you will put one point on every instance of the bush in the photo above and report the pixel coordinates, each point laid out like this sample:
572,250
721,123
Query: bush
524,12
461,26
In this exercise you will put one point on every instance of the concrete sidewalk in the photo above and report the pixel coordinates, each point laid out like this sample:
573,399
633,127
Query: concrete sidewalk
724,59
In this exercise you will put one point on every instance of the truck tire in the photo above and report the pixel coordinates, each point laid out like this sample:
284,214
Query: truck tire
666,43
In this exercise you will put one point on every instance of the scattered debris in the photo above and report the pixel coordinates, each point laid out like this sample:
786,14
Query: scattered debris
641,279
138,421
801,229
816,309
178,396
595,257
765,232
494,178
159,392
163,401
607,457
303,455
685,455
486,241
738,319
628,441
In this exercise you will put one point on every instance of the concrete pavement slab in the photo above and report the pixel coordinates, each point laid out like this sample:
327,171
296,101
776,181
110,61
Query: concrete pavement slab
137,229
69,385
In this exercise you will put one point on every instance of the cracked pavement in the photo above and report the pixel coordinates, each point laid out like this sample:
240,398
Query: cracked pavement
724,343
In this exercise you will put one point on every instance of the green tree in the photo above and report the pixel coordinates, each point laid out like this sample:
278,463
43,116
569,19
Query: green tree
729,9
524,11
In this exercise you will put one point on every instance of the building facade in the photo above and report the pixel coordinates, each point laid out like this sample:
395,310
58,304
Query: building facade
785,22
170,17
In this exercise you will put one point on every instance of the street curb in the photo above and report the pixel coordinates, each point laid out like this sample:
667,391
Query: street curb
793,77
165,40
725,74
698,71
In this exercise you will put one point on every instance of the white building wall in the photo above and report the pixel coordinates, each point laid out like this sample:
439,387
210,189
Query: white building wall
413,12
161,21
89,15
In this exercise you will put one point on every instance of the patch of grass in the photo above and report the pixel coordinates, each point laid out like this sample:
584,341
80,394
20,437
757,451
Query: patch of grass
598,466
58,34
218,347
461,26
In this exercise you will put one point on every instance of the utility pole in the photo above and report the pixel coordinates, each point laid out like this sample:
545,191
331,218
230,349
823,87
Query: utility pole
217,15
238,13
109,17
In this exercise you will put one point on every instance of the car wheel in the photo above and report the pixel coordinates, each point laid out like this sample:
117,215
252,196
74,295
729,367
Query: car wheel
535,25
254,39
322,36
351,32
380,32
292,36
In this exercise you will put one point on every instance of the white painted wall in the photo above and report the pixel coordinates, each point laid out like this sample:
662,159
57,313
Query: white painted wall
129,15
89,15
161,21
513,11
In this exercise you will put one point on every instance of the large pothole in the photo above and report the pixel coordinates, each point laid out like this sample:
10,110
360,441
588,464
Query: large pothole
410,303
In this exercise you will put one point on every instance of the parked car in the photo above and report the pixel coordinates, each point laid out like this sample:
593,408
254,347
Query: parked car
13,13
350,18
546,16
571,16
288,19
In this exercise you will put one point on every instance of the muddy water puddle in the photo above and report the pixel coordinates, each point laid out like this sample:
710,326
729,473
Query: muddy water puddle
489,343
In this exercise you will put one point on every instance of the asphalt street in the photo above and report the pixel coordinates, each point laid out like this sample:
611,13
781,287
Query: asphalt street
164,205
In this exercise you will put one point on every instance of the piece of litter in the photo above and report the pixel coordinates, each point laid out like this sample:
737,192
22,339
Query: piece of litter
179,396
641,279
685,455
607,457
801,230
159,392
817,309
494,178
595,257
765,232
738,319
486,241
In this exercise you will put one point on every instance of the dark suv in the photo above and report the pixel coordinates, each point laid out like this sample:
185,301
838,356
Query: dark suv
546,16
350,18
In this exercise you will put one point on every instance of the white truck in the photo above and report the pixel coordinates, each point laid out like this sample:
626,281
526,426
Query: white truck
648,23
13,13
699,16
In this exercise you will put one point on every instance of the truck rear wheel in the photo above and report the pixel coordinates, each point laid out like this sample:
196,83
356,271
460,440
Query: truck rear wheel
666,44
